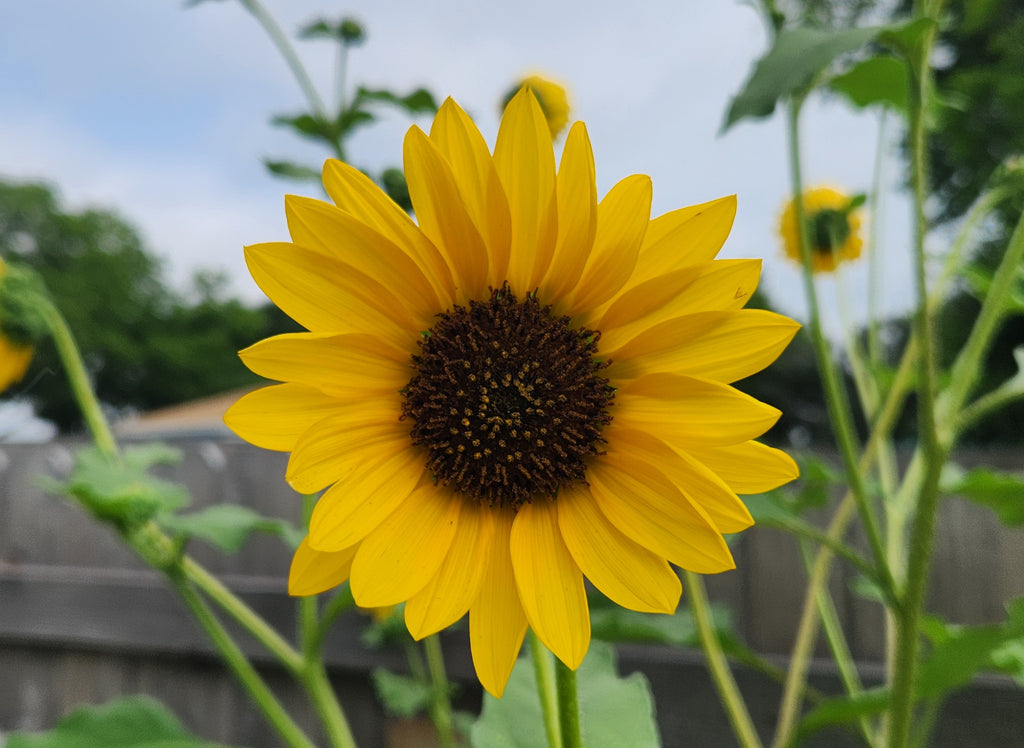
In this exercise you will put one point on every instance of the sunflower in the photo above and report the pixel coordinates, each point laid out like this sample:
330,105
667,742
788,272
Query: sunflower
833,228
525,389
553,99
15,356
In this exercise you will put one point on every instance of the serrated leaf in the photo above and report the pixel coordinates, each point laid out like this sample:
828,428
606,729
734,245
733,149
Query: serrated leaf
842,710
795,58
614,711
1003,493
227,526
132,722
124,491
877,80
291,170
400,695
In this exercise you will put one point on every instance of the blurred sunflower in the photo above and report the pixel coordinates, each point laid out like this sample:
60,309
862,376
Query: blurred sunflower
526,389
833,228
15,356
553,99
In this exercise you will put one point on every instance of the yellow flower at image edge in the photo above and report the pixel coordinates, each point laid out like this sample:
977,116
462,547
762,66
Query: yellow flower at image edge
14,357
833,229
527,389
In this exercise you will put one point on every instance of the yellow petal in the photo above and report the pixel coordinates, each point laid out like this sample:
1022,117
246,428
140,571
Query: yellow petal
685,237
622,218
14,361
719,285
695,481
325,295
452,590
525,160
725,346
356,193
497,623
461,143
275,417
398,558
327,229
627,573
645,505
377,483
443,216
750,467
314,571
550,583
346,366
577,216
323,453
691,411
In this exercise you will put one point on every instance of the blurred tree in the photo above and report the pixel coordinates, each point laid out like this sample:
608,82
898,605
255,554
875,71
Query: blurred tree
145,346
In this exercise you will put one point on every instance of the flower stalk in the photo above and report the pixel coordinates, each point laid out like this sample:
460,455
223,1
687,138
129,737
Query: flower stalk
568,706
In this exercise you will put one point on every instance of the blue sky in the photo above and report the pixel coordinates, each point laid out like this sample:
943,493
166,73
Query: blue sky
162,113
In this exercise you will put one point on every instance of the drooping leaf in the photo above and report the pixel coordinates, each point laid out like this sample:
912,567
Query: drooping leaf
291,170
227,526
1003,493
876,80
400,695
842,710
123,490
307,126
907,37
614,711
795,58
131,722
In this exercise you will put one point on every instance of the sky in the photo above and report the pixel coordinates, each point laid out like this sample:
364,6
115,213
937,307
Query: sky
162,114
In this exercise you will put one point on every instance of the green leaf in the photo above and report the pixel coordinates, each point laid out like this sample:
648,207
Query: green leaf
906,37
963,651
395,185
795,58
1003,493
877,80
614,711
400,695
420,101
227,526
842,710
132,722
307,125
353,118
124,491
291,170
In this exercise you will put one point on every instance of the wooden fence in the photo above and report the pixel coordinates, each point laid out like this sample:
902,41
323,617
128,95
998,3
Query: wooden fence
81,620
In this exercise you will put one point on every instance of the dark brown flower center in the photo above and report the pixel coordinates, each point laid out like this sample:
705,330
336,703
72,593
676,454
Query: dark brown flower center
507,399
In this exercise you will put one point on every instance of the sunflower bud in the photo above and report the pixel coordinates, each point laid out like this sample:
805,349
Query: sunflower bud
22,323
553,100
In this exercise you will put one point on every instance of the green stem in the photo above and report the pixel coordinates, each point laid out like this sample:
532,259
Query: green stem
337,605
318,686
874,250
835,395
922,534
440,703
243,614
286,50
568,706
728,691
544,671
78,377
236,661
808,531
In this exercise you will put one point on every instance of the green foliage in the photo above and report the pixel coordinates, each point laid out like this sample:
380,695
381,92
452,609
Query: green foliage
876,80
228,526
131,722
790,66
123,491
401,695
347,31
144,345
614,711
1003,493
842,710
